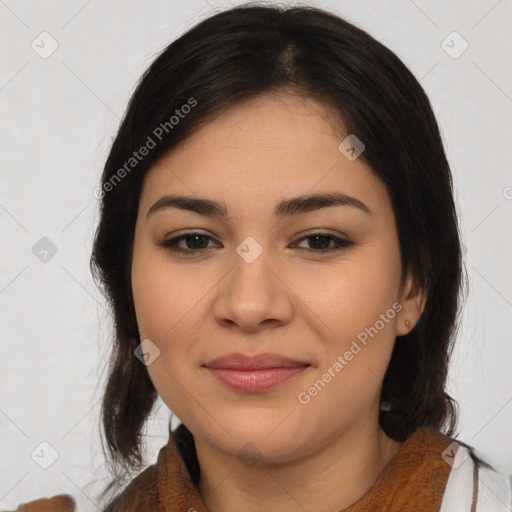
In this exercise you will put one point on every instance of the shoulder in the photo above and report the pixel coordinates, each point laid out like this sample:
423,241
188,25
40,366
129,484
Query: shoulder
473,485
142,493
60,503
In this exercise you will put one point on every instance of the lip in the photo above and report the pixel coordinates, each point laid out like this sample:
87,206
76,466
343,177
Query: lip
255,373
254,362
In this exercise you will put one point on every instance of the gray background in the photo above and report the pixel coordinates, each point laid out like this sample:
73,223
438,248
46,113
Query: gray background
58,116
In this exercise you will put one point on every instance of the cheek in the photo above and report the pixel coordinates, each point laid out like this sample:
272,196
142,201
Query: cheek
358,301
351,296
353,366
170,309
166,296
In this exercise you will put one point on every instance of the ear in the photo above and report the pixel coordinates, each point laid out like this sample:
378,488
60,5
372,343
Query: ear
413,300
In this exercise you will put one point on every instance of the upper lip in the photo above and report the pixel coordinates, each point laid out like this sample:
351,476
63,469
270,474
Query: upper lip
254,362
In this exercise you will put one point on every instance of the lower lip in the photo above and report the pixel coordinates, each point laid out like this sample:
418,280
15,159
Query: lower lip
255,380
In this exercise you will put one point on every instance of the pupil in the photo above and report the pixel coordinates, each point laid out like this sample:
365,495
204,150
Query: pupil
316,237
194,238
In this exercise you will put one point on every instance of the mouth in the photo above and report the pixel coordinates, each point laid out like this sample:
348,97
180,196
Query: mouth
255,373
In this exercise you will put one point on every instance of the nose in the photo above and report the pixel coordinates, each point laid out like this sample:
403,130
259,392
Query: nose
253,295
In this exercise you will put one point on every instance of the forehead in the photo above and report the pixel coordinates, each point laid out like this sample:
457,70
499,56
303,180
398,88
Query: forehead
257,151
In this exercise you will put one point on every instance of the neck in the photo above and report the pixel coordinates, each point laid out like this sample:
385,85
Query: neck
339,472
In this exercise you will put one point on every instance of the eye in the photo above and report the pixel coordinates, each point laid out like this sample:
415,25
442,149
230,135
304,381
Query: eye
189,243
195,242
321,242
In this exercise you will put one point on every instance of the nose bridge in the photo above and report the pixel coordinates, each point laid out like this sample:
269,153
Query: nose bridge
252,280
251,291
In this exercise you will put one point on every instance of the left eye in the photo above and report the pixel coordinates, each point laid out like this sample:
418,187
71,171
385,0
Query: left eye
323,239
197,242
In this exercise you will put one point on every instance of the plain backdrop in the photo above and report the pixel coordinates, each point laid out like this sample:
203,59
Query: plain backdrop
58,114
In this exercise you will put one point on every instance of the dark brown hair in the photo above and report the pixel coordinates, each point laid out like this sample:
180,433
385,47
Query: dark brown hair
234,56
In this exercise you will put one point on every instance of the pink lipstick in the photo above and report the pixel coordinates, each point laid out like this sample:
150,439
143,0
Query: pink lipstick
255,373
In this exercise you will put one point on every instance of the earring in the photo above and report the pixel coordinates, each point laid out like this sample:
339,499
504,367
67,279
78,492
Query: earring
407,323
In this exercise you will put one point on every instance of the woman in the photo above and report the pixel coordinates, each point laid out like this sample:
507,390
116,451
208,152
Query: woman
279,243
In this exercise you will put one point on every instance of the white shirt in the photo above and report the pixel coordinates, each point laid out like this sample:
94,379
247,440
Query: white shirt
472,487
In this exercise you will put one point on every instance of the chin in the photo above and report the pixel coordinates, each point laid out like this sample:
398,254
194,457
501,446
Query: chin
266,440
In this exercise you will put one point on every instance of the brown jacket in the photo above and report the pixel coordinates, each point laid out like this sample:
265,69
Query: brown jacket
414,480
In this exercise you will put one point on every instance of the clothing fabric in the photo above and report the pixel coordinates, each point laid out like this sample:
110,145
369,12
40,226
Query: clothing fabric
60,503
430,473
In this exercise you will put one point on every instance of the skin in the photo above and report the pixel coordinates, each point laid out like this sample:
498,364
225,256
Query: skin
304,305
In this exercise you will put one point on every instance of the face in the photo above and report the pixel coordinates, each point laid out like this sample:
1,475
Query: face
313,281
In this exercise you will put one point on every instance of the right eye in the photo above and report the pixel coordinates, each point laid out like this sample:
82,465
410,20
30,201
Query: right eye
195,242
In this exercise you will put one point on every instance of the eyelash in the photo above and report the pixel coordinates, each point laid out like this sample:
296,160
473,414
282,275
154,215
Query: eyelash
172,243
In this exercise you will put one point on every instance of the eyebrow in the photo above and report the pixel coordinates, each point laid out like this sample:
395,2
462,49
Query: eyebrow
287,207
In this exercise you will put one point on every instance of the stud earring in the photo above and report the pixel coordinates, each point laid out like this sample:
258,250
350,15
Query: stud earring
407,323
